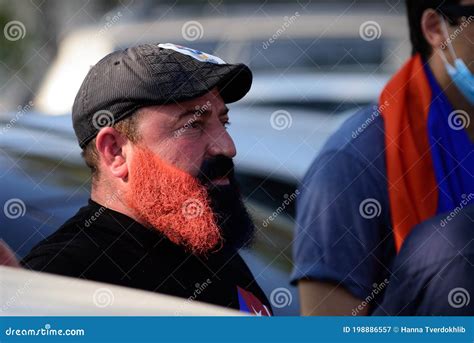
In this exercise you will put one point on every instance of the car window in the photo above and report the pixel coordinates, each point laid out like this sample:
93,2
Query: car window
315,54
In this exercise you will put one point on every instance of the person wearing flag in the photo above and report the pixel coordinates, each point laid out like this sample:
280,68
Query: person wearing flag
390,167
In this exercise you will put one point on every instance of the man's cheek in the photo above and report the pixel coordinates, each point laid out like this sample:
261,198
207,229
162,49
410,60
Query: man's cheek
189,159
193,167
189,165
174,153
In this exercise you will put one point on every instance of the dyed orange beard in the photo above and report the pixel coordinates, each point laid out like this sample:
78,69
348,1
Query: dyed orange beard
172,202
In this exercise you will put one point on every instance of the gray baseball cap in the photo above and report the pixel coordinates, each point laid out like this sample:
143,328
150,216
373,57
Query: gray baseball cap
151,74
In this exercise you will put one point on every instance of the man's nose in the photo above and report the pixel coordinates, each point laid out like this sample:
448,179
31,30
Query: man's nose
222,144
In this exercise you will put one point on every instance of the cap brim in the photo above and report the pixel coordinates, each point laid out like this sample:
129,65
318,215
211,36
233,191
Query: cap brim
235,84
232,80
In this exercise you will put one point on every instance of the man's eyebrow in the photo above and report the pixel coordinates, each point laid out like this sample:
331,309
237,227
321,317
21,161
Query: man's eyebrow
186,113
203,112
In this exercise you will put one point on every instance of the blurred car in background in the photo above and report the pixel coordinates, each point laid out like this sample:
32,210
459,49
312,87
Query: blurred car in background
29,293
312,51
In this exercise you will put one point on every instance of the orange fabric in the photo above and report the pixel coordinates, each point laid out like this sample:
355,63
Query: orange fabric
412,185
172,202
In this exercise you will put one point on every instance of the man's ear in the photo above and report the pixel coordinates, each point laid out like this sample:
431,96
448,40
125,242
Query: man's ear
111,147
432,28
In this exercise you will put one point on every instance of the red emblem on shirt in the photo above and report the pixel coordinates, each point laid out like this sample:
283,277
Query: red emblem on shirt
251,304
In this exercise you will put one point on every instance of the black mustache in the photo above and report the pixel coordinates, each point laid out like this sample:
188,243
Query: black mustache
216,168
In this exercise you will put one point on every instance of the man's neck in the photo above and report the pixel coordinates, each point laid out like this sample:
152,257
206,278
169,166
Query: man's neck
113,200
457,100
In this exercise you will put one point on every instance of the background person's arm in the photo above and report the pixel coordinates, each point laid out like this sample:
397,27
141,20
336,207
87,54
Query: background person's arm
342,232
7,256
327,299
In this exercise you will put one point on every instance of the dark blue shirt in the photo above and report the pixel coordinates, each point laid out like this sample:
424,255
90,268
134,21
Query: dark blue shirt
343,231
434,272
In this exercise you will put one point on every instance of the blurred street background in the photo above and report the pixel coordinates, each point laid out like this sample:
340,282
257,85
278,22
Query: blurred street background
54,38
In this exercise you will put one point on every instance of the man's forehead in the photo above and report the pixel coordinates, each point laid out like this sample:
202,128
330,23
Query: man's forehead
212,98
209,103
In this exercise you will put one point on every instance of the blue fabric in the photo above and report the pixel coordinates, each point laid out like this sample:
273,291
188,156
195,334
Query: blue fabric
433,272
451,151
333,242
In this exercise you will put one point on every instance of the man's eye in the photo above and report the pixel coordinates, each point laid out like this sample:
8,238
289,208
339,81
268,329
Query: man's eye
196,125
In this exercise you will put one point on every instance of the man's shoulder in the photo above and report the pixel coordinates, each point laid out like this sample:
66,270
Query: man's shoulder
100,244
439,239
74,243
355,149
363,132
432,273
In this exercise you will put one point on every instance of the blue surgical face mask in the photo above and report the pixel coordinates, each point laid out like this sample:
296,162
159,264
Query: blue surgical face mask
459,73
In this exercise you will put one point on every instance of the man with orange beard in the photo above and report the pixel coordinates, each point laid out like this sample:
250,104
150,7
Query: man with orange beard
165,214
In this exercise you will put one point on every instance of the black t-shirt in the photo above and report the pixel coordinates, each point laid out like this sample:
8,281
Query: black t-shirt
107,246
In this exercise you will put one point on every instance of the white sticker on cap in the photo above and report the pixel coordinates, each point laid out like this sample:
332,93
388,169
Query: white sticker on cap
196,54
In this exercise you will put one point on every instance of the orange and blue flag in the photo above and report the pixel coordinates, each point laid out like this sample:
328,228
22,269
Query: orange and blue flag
429,155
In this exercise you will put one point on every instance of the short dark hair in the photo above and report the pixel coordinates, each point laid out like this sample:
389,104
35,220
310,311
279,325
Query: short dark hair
128,127
415,9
